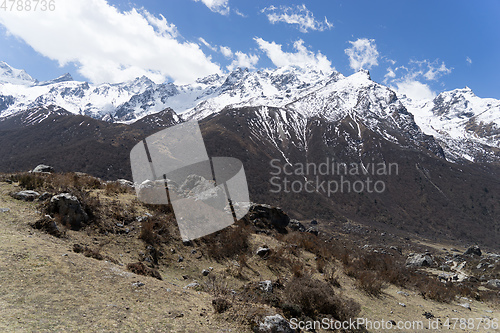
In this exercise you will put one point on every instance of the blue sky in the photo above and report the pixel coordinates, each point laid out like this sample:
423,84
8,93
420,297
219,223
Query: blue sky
418,47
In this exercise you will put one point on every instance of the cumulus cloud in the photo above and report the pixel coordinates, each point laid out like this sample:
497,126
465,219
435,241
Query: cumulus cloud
217,6
243,60
301,58
432,70
469,60
362,54
296,15
414,89
226,51
411,80
108,45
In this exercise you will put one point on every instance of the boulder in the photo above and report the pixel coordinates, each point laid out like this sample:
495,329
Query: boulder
473,250
70,210
266,286
313,230
42,168
419,260
265,216
296,226
125,182
205,272
26,195
495,283
263,251
273,324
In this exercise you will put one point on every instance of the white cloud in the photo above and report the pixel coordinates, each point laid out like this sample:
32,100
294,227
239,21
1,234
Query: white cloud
390,74
469,60
243,60
217,6
108,45
363,54
226,51
298,15
237,12
433,70
415,90
302,58
409,80
207,44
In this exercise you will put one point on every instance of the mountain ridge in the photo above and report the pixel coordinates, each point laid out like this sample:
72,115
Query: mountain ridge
465,126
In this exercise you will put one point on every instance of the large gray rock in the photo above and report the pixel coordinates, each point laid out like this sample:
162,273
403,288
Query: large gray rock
495,283
43,168
273,324
419,260
263,251
473,250
26,195
296,226
266,216
70,210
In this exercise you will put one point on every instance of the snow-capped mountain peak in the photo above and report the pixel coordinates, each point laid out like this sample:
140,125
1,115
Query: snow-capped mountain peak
466,125
12,75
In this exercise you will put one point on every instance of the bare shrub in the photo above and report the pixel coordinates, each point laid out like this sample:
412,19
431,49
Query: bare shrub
140,269
315,297
229,242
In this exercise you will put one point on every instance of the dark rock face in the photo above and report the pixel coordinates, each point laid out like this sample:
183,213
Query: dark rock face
70,210
267,216
473,250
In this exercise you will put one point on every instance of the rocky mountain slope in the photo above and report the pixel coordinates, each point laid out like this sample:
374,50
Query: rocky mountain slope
466,126
277,121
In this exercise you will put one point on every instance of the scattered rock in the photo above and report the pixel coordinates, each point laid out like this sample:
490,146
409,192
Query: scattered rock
465,305
295,225
125,182
69,208
43,168
272,324
266,286
314,222
473,250
4,210
192,285
403,305
428,315
263,251
313,230
25,195
180,259
419,260
403,293
205,272
495,283
138,284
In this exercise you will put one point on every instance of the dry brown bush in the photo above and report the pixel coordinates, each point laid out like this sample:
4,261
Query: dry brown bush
316,297
229,242
141,269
